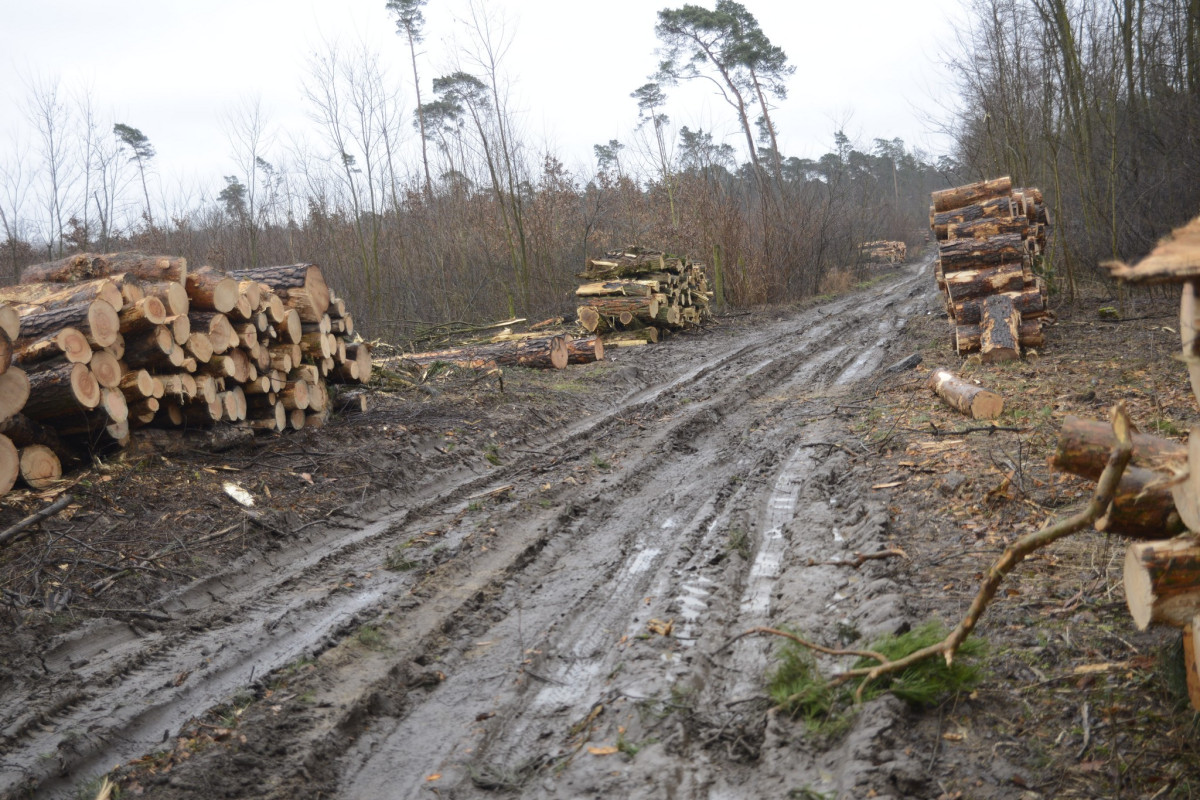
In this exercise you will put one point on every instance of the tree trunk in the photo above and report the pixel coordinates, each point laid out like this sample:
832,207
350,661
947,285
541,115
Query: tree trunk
1001,207
959,196
1030,302
1142,507
23,432
988,226
546,353
624,310
966,398
210,290
612,289
959,254
61,389
97,319
967,337
971,283
88,265
583,349
299,286
49,296
1084,445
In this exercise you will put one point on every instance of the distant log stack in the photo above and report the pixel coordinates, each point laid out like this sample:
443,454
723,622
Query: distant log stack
630,296
990,239
883,252
93,347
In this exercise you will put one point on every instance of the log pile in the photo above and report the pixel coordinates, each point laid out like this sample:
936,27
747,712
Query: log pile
1157,502
990,237
94,347
631,296
883,252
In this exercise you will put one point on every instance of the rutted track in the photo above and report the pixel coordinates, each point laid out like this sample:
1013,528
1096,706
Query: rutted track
535,611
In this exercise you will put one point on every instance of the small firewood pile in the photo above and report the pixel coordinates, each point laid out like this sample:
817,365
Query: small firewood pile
990,236
94,347
1159,492
631,296
883,252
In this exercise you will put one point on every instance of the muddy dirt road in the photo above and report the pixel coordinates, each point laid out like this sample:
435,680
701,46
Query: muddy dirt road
504,630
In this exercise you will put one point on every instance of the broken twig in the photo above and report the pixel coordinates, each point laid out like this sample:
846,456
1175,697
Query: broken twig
58,505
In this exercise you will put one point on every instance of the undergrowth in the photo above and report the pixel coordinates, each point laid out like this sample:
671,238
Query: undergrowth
798,688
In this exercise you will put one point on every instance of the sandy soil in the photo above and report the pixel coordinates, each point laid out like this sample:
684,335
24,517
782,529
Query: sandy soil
539,591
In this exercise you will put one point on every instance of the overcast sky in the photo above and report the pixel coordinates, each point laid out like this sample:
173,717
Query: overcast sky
173,69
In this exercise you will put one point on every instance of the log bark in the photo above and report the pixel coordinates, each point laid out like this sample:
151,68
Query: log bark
49,296
999,207
966,398
1030,302
999,337
988,226
958,254
535,353
210,290
69,342
583,349
90,265
1162,582
96,319
959,196
624,310
626,288
972,283
151,350
300,286
60,389
967,337
1142,507
1084,445
1191,661
23,432
143,315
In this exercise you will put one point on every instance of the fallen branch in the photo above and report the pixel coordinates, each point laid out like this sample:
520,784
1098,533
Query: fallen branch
1016,553
58,505
988,429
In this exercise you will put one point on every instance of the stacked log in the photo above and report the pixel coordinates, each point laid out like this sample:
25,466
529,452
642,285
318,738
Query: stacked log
1158,499
883,252
990,238
630,296
14,393
108,344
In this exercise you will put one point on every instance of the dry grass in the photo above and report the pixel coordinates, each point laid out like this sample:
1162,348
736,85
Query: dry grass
836,281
